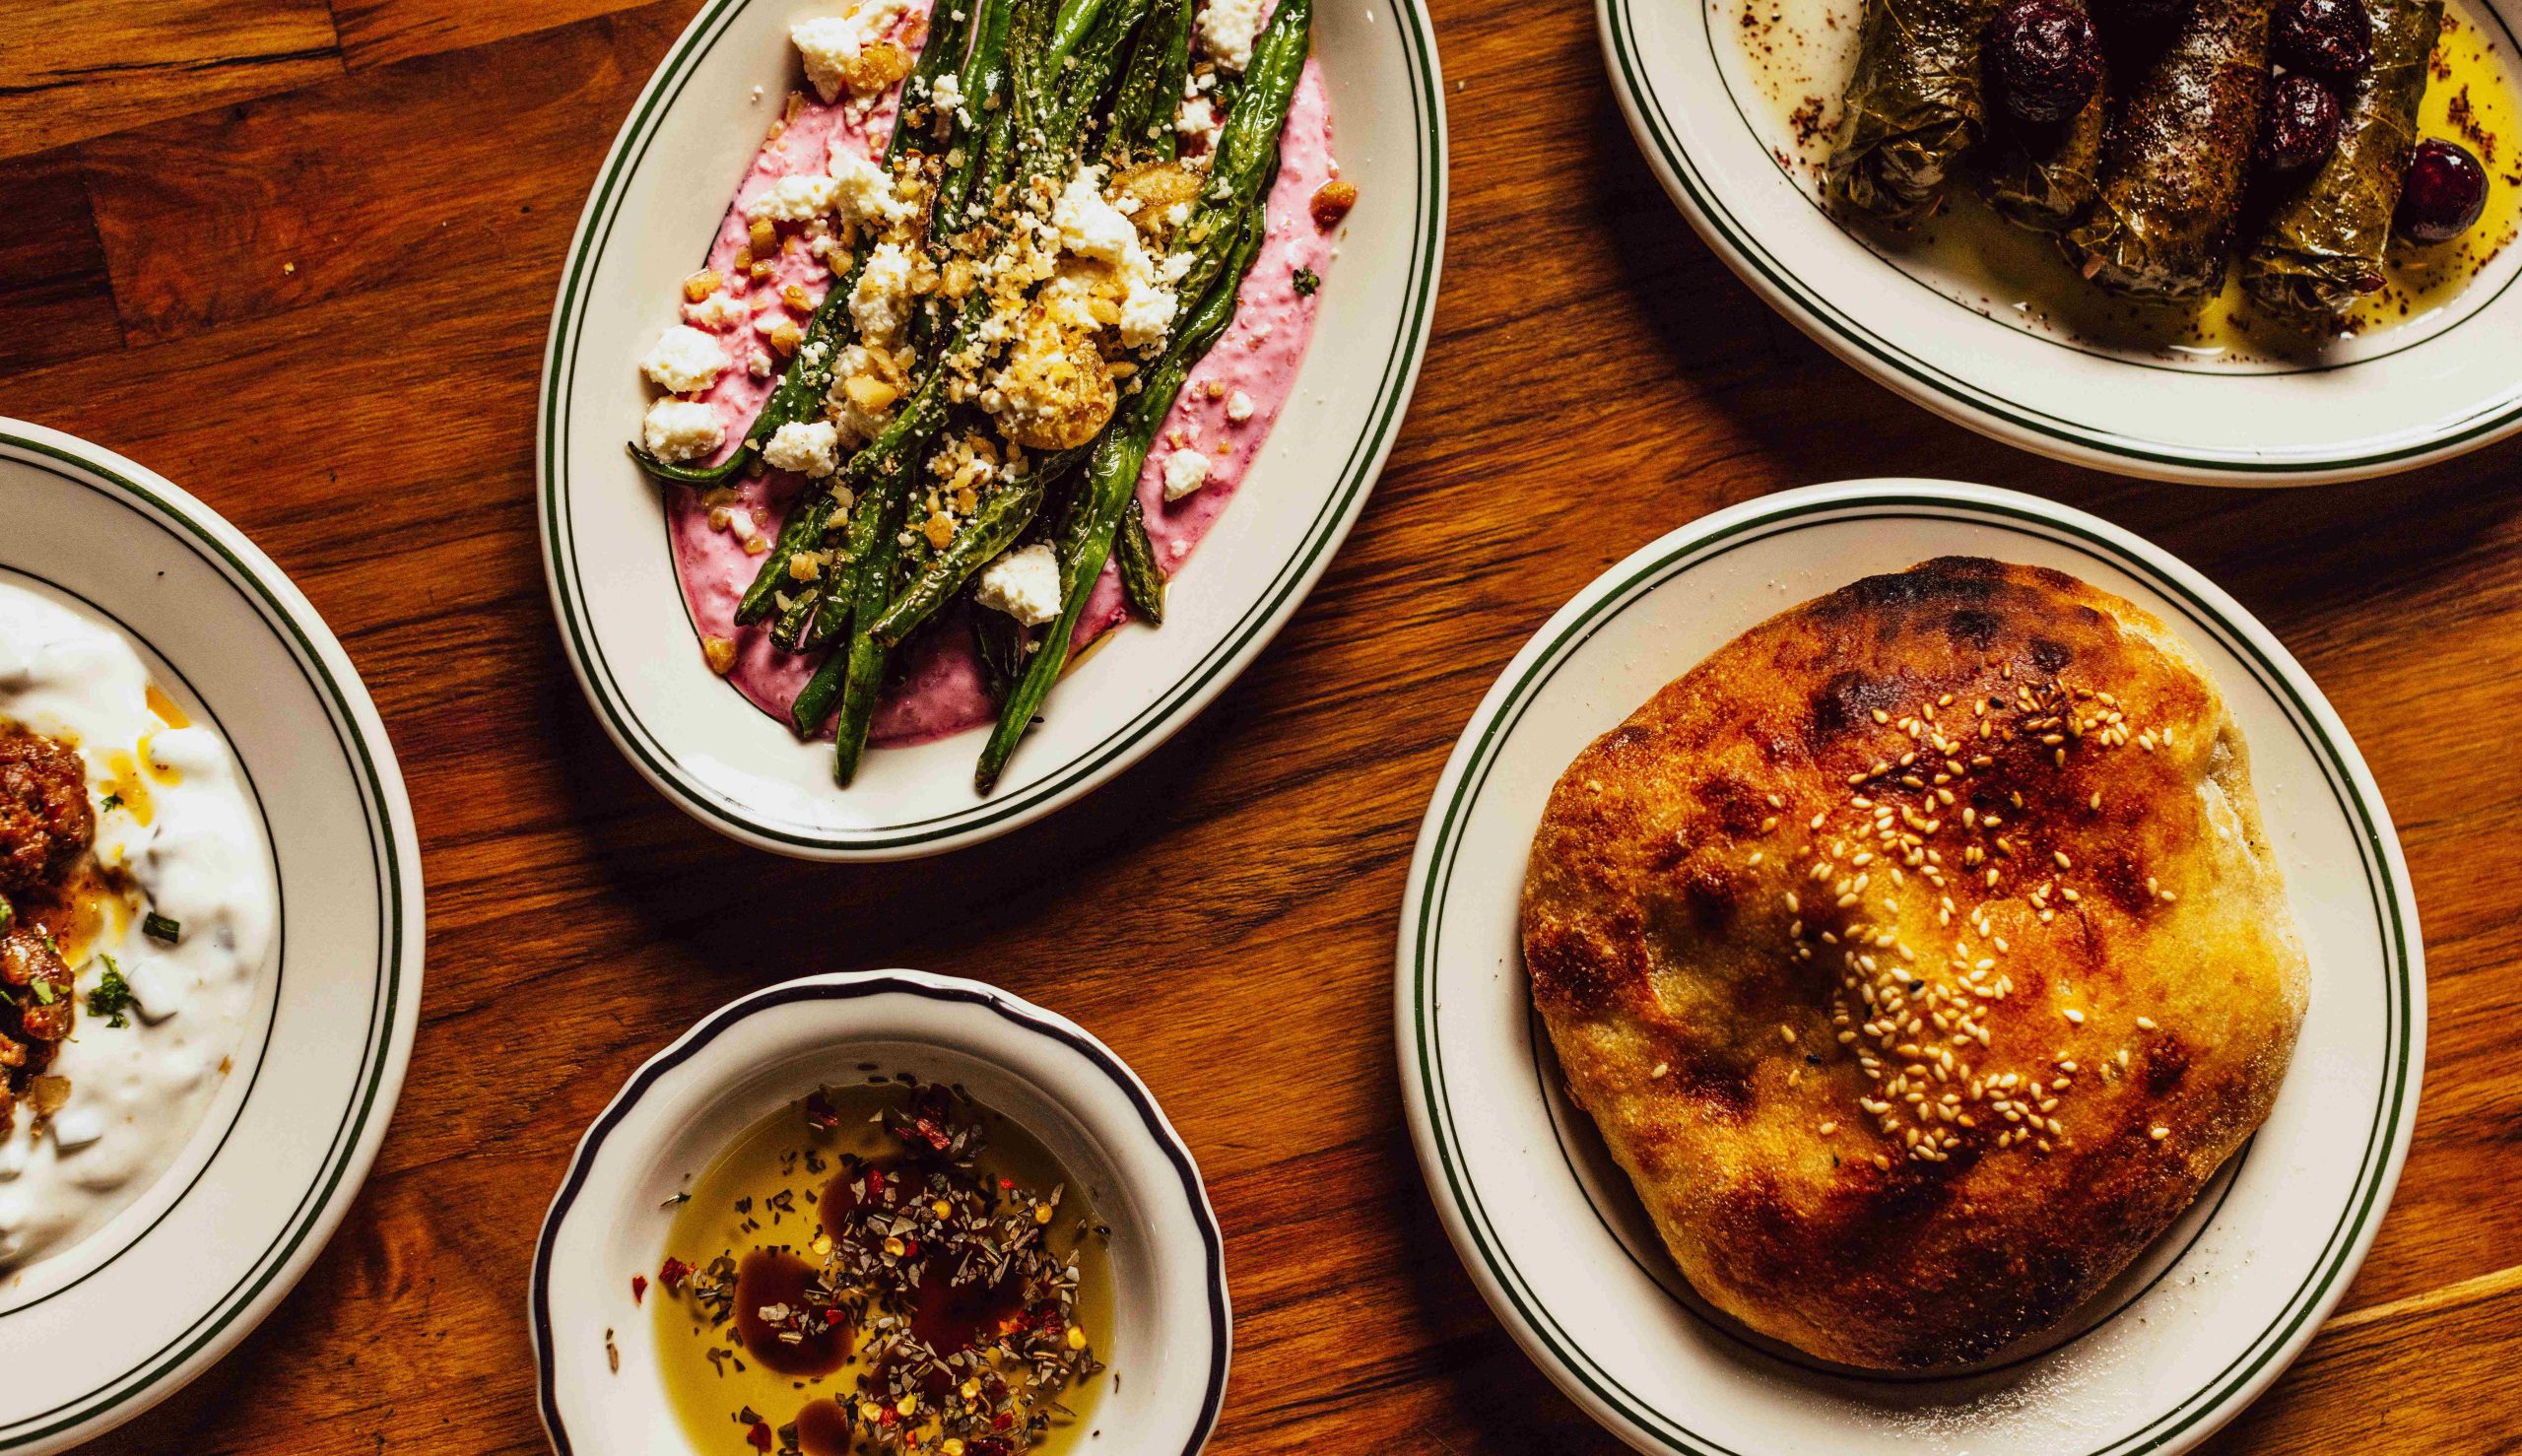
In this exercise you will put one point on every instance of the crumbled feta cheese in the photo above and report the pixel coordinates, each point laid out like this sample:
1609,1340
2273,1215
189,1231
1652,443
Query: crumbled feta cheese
759,366
1024,584
1091,227
1239,406
861,190
832,43
720,311
1186,471
1148,305
1198,122
881,303
946,94
793,199
681,429
1227,29
806,448
683,359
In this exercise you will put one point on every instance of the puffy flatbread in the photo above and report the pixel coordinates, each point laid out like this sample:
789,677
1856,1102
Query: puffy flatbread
1919,955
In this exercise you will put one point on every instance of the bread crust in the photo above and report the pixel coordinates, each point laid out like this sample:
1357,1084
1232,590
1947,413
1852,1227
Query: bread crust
1759,925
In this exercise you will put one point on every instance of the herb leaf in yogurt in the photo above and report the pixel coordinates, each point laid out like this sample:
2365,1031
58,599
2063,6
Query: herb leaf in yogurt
112,997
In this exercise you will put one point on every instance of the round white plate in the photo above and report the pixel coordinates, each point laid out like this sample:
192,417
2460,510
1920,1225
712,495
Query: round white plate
649,222
1546,1224
1172,1328
2431,388
107,1328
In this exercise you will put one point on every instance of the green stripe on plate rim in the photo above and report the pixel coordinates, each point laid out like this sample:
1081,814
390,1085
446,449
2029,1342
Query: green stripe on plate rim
2492,419
1330,525
2392,1112
140,1382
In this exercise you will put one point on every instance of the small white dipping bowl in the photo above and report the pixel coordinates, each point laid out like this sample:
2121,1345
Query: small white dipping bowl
1171,1331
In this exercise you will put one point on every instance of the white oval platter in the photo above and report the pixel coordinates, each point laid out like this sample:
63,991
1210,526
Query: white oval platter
655,206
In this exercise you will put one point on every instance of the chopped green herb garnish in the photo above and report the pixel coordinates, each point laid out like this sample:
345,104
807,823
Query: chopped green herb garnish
44,994
113,802
1306,281
8,914
112,997
162,928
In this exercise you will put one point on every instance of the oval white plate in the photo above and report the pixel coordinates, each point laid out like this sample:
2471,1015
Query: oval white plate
656,203
1547,1225
2421,392
105,1329
1172,1331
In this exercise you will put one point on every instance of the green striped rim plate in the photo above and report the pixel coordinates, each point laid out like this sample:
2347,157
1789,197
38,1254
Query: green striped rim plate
101,1330
654,206
2441,384
2205,1322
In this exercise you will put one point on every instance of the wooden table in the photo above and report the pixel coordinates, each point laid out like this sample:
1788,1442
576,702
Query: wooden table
300,256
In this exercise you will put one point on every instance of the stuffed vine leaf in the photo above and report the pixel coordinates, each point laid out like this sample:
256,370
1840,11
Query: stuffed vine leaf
1913,109
2321,248
2173,173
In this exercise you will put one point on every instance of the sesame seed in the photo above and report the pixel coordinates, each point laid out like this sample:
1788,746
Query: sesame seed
2145,1023
2074,1017
2160,1132
1657,1075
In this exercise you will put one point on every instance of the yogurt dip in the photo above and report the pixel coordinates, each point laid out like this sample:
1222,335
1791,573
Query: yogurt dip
179,912
1225,413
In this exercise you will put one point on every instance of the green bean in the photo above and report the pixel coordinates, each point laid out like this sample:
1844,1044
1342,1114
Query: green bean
874,546
999,640
1151,88
984,86
993,527
1247,152
822,692
1142,579
1111,480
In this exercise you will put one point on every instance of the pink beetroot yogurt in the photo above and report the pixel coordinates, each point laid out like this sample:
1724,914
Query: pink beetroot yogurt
1252,367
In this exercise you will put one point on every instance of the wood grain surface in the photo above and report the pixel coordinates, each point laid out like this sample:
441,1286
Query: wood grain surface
301,258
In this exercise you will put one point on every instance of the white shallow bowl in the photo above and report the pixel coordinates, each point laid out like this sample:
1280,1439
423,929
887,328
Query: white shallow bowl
2429,389
1173,1329
101,1330
655,206
1546,1224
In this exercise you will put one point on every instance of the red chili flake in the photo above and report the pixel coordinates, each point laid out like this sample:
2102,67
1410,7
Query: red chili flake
672,1274
885,1416
910,1248
819,1112
875,1183
760,1436
1004,1184
639,1287
1005,1420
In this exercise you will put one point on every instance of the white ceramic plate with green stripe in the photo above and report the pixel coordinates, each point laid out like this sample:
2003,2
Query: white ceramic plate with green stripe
648,223
96,1331
1547,1225
1711,90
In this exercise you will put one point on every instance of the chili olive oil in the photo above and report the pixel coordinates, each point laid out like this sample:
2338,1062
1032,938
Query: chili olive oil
756,1234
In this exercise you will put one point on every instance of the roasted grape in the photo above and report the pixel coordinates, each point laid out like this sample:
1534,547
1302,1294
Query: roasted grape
2446,190
2046,58
2329,38
2301,127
